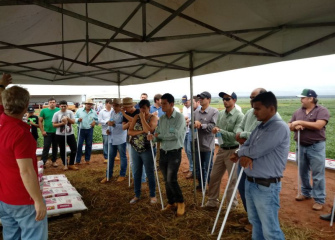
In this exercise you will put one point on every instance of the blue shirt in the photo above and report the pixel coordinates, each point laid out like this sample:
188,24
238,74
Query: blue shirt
88,118
118,135
154,109
268,147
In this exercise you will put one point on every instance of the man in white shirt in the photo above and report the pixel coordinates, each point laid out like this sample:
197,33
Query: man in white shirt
187,144
103,119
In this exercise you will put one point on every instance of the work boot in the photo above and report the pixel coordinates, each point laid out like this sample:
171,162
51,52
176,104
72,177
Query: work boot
327,217
169,207
121,179
301,198
180,209
104,180
54,164
317,206
73,167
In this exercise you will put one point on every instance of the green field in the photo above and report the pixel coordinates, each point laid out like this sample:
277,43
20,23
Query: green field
286,108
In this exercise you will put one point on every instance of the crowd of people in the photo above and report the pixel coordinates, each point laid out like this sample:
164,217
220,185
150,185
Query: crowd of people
256,142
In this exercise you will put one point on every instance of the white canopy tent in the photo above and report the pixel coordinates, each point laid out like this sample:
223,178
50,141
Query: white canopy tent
125,42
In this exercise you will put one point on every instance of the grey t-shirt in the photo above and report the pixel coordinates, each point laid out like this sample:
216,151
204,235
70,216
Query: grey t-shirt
57,118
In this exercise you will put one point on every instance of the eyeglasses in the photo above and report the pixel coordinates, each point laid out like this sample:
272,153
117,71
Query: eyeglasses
226,99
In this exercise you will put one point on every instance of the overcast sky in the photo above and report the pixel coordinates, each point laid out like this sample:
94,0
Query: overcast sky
284,79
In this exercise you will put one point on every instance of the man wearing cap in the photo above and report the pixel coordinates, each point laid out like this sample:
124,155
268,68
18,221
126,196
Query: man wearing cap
156,108
311,120
117,142
187,145
63,120
103,118
129,112
86,119
204,121
48,131
32,120
227,124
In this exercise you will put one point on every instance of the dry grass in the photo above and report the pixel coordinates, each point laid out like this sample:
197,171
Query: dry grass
110,216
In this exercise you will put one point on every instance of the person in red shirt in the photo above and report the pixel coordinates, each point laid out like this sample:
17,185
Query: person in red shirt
22,208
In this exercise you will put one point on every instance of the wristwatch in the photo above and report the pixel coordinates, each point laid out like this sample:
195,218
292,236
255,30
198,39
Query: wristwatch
236,151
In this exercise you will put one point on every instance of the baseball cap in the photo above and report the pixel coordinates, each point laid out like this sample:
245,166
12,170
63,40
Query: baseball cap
184,99
232,94
31,109
204,95
308,93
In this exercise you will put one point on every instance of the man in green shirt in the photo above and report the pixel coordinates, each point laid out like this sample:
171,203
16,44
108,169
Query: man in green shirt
171,133
227,123
48,131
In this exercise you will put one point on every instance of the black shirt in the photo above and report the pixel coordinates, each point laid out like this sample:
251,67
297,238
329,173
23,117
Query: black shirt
33,119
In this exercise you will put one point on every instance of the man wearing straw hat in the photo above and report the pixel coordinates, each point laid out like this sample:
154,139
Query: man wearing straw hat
170,133
22,208
311,120
62,121
117,142
86,118
104,116
227,124
263,157
129,112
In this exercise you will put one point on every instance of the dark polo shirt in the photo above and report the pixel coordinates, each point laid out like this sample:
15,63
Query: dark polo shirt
309,136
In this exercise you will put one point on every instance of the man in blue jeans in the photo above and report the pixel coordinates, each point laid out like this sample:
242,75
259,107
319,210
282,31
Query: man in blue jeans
86,118
187,144
311,120
104,116
264,158
170,133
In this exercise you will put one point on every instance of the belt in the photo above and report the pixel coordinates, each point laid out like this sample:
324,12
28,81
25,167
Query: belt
170,151
229,148
310,144
264,181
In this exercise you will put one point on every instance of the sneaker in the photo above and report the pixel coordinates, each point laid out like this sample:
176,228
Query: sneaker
134,200
73,167
212,204
104,180
317,206
65,168
301,198
121,179
54,164
117,159
153,200
327,217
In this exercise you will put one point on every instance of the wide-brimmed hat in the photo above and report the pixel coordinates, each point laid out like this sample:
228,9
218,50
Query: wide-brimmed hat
89,101
128,102
117,101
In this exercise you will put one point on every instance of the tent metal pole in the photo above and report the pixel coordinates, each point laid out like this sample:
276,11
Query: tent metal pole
192,127
87,38
118,83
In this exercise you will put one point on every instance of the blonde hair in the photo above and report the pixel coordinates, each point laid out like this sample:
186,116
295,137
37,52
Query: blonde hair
15,100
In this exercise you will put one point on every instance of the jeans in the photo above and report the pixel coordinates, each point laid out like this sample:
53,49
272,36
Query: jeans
144,176
140,159
71,141
19,223
49,139
105,146
187,149
123,159
169,163
241,186
205,156
312,159
263,206
87,136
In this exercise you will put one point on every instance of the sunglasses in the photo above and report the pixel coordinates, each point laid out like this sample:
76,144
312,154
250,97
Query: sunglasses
226,99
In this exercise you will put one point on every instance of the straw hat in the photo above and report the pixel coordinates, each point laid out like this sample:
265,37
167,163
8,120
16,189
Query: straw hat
128,102
89,101
117,101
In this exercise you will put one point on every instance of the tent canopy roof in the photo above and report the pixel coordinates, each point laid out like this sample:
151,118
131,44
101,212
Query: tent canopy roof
114,42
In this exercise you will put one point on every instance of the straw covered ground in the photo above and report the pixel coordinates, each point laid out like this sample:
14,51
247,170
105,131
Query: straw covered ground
110,216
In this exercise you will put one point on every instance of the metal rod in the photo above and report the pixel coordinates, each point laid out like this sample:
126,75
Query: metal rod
298,160
155,166
230,203
78,138
65,154
223,198
108,161
130,163
332,216
87,37
206,180
118,83
200,167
